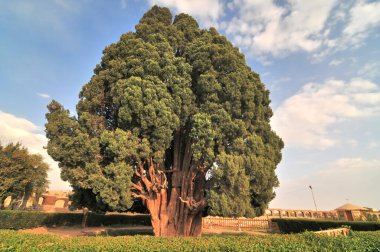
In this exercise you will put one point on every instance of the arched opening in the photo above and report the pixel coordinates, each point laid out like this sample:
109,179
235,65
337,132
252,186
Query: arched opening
7,201
59,204
300,214
293,214
40,201
276,213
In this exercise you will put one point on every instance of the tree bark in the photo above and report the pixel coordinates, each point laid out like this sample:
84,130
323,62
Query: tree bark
15,202
36,199
2,202
85,217
27,194
174,196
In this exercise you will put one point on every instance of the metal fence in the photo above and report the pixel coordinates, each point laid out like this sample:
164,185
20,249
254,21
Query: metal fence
259,223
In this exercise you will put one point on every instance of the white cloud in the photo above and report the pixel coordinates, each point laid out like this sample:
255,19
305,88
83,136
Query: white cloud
363,17
373,145
208,12
349,178
281,80
16,129
304,119
357,21
352,142
351,166
335,62
369,70
43,95
316,27
267,28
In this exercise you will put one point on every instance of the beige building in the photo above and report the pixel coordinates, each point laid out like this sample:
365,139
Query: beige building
347,211
51,201
353,212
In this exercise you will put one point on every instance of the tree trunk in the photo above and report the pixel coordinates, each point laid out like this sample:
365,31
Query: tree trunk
36,200
2,203
85,217
174,196
15,202
27,194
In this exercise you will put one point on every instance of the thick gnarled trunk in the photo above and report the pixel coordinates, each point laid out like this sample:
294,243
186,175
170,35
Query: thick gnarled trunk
174,196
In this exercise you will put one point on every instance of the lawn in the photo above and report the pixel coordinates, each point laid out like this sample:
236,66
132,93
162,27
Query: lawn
357,241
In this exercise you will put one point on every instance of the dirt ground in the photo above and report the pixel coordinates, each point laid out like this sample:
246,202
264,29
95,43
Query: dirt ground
91,231
219,230
78,231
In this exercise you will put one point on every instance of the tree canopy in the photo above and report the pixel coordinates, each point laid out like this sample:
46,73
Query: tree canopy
21,173
172,116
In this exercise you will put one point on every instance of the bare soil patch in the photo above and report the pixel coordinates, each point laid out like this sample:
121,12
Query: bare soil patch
89,231
129,230
231,231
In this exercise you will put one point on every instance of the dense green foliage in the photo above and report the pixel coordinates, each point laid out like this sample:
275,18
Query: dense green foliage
358,241
302,225
30,219
21,173
169,80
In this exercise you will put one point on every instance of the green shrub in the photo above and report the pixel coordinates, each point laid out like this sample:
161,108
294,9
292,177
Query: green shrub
10,219
359,241
372,217
95,220
302,225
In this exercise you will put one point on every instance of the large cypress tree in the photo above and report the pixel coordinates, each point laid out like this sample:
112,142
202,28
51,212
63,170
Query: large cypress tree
175,118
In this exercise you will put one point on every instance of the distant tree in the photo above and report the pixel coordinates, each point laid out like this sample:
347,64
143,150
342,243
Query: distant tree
371,217
21,173
173,117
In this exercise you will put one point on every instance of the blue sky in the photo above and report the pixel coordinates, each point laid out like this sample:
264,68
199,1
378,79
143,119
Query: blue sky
319,59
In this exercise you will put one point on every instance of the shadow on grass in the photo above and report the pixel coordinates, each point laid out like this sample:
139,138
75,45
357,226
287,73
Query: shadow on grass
132,232
124,232
228,234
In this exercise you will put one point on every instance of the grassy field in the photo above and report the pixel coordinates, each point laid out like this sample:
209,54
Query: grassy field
357,241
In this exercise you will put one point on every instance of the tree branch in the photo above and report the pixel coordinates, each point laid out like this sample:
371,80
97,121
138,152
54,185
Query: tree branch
198,206
139,196
194,206
138,187
171,171
187,202
165,183
143,177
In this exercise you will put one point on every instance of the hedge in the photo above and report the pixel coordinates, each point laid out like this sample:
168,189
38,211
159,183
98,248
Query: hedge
11,219
301,225
358,241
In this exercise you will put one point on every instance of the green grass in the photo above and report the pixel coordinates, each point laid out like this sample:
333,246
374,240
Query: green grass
358,241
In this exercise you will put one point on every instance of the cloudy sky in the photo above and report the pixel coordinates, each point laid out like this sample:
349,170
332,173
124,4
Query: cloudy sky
320,60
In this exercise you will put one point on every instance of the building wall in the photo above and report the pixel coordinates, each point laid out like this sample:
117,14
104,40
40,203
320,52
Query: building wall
53,201
298,213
